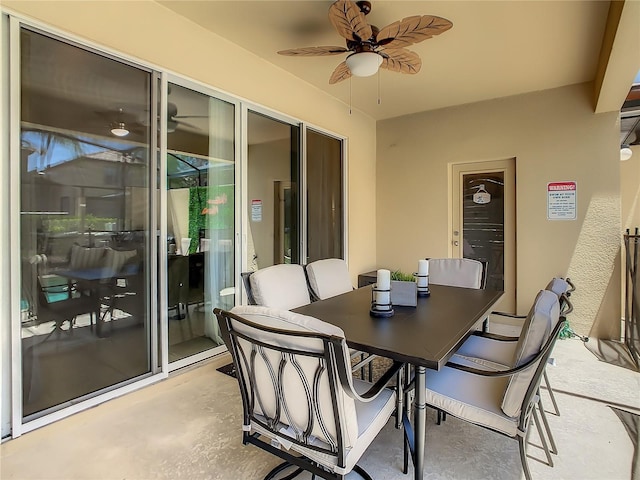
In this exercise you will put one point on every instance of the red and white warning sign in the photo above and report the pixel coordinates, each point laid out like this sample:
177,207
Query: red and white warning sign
561,200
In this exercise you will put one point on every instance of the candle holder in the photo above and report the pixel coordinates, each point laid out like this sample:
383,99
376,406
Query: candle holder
382,310
423,284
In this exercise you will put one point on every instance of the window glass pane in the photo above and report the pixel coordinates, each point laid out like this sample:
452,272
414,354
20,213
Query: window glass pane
273,172
201,218
84,192
324,197
483,229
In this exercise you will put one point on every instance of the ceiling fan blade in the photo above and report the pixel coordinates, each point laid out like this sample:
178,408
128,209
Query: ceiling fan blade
401,60
341,72
313,51
349,21
186,124
412,30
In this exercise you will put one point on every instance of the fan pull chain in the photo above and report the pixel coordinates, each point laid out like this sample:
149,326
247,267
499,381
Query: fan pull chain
349,95
378,86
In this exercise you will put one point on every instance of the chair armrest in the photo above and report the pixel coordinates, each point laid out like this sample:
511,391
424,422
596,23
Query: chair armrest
495,336
493,373
567,306
512,371
376,388
505,314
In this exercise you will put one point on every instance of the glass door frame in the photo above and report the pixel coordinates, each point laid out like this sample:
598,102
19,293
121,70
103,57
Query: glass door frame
10,144
18,424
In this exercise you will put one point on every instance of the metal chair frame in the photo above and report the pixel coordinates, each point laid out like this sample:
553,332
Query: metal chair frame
330,360
531,397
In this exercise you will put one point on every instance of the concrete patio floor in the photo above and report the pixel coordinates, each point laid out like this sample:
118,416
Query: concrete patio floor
189,427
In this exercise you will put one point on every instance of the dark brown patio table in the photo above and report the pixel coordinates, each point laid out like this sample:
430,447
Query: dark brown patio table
425,336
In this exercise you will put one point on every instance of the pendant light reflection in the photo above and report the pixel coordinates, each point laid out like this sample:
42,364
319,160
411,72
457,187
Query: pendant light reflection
119,130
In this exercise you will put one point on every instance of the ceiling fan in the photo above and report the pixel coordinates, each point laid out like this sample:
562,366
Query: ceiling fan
173,119
120,122
372,48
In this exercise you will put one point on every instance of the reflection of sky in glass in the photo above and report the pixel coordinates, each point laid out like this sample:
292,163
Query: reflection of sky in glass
51,149
180,165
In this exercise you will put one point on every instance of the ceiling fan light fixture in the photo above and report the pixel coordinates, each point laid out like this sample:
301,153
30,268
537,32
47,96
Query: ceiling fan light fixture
364,64
119,130
625,153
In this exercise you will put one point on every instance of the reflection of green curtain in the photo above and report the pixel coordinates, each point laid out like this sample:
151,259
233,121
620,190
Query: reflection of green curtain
209,208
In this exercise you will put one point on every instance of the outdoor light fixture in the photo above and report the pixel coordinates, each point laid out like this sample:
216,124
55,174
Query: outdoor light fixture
625,153
363,64
119,129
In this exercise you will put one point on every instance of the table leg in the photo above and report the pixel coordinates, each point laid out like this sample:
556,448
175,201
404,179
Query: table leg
420,420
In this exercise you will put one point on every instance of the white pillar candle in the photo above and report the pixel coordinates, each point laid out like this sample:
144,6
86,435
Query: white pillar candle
423,273
383,283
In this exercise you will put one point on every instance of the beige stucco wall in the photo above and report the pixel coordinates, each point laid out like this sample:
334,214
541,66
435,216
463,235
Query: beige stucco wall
145,30
554,136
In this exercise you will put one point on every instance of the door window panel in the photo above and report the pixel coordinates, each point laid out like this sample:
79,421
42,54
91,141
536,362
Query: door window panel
483,223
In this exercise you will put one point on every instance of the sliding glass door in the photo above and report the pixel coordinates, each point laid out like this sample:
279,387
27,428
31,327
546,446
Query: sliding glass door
200,165
124,231
85,133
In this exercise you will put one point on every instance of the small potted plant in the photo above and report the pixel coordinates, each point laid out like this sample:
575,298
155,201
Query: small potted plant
404,289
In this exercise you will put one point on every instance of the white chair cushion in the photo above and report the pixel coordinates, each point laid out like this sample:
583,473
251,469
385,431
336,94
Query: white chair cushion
455,272
487,352
474,398
280,286
285,320
539,323
329,277
558,286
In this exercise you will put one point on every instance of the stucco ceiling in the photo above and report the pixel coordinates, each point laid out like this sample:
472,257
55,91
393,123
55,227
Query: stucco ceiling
495,48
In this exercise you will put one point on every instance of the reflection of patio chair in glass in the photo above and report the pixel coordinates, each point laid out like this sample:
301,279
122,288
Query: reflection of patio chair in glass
128,293
196,279
178,285
54,299
178,288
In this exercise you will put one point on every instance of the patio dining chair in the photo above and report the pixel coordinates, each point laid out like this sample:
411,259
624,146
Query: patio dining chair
299,400
458,272
501,352
503,398
278,286
330,277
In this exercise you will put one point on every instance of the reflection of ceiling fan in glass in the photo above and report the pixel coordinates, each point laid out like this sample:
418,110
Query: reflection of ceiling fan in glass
173,119
372,48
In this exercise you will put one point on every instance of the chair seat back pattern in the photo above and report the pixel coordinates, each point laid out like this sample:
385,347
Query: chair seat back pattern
290,387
